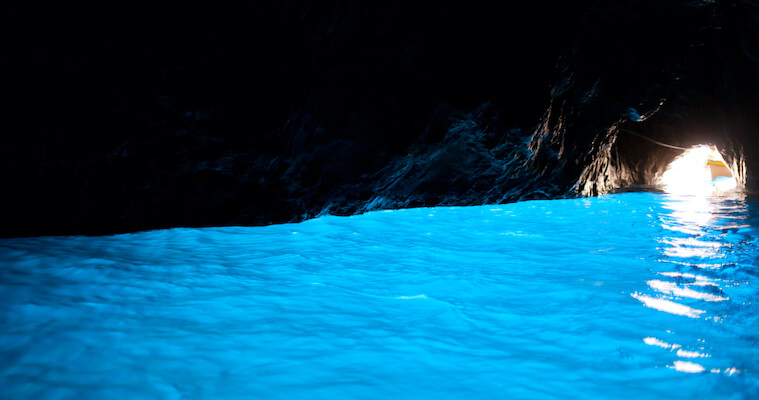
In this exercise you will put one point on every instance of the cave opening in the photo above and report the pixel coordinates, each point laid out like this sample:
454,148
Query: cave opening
700,169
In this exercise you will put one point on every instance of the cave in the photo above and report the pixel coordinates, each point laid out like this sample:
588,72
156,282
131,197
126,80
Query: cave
282,112
283,199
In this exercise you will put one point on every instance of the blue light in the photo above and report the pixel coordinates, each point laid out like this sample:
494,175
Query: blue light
636,295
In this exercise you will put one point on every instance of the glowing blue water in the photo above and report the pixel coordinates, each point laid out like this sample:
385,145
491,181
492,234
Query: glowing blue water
628,296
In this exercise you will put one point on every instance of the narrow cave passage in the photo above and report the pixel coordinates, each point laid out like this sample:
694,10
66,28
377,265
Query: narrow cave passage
683,155
700,169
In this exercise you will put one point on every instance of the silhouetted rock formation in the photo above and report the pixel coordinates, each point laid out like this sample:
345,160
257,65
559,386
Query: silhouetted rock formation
131,119
683,73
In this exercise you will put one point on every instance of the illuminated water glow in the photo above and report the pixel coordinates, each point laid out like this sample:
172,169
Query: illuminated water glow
628,296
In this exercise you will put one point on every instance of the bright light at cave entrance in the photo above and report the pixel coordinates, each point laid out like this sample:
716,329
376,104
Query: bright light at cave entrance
700,170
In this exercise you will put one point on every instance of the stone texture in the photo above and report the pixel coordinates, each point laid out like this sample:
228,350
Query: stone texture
135,118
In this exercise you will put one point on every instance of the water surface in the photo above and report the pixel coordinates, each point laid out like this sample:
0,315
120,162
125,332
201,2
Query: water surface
637,295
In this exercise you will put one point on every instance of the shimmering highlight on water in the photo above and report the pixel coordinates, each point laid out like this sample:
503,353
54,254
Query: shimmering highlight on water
635,295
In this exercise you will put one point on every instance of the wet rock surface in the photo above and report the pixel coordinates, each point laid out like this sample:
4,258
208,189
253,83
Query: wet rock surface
132,119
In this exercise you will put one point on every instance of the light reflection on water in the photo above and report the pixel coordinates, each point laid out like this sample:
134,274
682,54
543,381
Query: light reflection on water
702,232
636,295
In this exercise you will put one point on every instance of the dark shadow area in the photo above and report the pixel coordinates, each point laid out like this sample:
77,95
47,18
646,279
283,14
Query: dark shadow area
131,118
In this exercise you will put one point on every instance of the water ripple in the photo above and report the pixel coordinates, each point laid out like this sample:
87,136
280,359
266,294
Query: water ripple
636,295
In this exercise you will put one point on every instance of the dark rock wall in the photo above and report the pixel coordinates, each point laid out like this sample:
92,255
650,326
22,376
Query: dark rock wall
682,73
128,118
